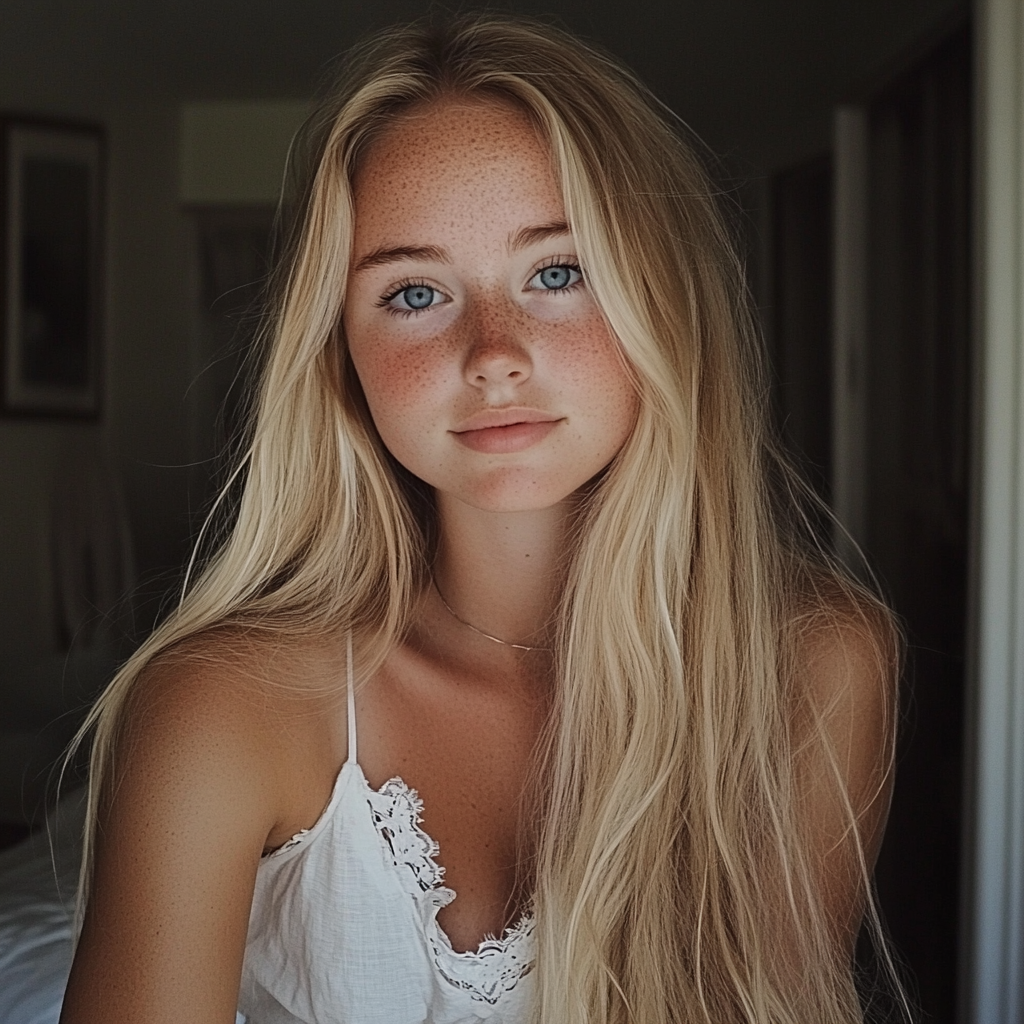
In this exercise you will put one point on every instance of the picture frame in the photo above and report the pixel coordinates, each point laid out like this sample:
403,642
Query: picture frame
51,267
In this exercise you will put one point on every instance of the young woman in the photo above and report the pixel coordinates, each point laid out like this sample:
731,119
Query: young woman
510,589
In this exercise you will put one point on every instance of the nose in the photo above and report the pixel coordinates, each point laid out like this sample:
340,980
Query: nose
497,353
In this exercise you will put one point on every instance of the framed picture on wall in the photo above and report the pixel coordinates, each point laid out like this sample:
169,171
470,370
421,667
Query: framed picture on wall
52,273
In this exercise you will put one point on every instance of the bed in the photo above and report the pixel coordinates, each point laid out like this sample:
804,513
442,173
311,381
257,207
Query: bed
38,878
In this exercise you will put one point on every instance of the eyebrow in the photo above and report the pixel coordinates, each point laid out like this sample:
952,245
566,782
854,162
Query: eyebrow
540,233
395,254
434,254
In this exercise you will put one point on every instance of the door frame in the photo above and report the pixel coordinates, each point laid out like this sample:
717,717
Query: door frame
993,885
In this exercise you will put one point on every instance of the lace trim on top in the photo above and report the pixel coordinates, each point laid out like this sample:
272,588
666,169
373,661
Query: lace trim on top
498,964
296,840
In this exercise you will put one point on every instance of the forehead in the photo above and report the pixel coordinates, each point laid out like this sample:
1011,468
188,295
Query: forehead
450,159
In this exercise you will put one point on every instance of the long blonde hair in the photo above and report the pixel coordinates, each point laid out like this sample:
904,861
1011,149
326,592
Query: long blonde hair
671,861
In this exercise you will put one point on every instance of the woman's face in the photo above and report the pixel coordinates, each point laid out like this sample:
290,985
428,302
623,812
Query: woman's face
488,369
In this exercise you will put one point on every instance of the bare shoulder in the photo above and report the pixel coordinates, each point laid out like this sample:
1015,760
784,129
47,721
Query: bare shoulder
231,707
218,748
845,667
844,670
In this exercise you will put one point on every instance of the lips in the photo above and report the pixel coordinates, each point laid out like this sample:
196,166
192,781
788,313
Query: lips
501,431
506,417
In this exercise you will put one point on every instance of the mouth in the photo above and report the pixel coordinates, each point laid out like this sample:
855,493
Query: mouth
503,431
490,419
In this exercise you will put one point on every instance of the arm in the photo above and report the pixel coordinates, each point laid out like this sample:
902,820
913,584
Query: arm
847,676
185,813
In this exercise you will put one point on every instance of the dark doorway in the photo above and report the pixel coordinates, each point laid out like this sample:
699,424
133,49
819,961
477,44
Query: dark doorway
918,365
919,387
802,316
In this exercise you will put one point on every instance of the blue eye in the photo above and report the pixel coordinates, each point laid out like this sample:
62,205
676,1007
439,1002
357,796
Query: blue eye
412,298
417,296
557,278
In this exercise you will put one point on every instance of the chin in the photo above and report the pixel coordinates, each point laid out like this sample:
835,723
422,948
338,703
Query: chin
516,495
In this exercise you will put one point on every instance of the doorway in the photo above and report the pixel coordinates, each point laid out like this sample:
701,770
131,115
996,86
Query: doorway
914,523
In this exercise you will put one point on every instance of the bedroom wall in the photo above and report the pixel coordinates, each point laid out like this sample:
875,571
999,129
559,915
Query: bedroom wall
143,429
164,158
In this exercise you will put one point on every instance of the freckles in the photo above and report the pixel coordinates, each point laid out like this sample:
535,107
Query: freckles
401,392
404,370
589,355
393,383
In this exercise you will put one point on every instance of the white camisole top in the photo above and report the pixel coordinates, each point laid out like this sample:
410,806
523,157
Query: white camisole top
343,927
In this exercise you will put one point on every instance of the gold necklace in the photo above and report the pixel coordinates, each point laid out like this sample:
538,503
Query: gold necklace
469,625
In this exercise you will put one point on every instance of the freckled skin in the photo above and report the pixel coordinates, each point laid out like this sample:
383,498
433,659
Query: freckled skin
464,177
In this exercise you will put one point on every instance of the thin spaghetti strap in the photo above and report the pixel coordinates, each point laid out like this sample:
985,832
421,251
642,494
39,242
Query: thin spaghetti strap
351,703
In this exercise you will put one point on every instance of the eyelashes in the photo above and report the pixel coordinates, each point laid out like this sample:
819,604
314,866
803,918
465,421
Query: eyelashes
558,275
415,295
412,296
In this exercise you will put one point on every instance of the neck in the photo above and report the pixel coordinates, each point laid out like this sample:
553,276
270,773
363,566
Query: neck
501,571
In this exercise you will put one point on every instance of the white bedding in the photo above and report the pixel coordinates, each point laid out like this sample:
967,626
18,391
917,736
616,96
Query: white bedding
37,896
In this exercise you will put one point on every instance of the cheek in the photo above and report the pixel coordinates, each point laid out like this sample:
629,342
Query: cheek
394,383
592,366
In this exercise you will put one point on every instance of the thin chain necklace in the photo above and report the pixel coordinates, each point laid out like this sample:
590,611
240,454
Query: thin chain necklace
469,625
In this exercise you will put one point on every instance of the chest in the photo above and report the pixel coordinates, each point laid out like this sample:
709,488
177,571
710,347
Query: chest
468,750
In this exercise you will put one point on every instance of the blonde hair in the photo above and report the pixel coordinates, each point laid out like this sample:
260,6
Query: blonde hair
671,861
